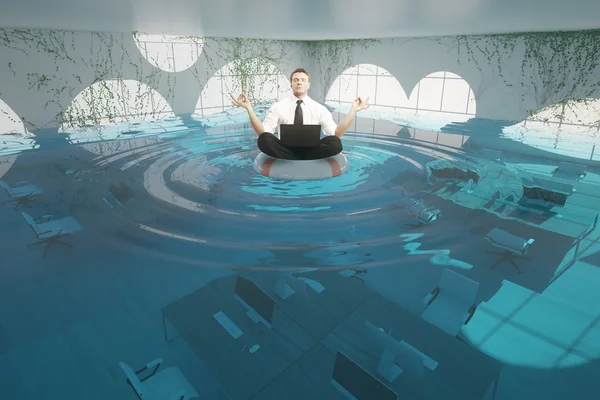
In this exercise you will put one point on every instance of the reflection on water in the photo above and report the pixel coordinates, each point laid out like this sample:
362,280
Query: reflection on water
16,143
183,192
363,160
569,140
167,126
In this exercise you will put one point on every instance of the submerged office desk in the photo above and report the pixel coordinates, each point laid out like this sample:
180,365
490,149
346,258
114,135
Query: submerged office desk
298,324
296,356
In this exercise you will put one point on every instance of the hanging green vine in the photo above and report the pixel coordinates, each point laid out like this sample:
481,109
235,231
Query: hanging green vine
107,60
558,69
331,57
251,66
252,63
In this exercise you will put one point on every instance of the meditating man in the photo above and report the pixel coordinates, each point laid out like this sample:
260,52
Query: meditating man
299,109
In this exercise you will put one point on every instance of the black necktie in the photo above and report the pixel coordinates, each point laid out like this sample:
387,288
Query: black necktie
298,118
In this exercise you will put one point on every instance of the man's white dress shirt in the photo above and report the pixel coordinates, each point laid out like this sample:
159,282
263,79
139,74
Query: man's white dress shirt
284,112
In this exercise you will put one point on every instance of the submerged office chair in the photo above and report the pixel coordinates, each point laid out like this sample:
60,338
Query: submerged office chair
20,195
451,304
168,384
513,247
50,231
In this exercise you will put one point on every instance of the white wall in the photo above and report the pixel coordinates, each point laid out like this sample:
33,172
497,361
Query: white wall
502,89
303,20
43,71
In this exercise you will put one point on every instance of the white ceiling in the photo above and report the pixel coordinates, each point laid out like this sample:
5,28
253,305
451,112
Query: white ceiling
303,19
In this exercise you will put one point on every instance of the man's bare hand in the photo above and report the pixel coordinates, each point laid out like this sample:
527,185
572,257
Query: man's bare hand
359,104
242,101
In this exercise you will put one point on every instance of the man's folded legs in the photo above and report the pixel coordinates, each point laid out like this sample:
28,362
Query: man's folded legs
269,144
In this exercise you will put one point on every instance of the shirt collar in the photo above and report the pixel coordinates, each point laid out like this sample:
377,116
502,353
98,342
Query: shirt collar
305,99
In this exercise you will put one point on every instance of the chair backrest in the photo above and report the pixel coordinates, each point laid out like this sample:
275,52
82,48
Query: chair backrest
507,241
68,225
30,221
417,208
552,185
572,167
136,384
458,285
428,217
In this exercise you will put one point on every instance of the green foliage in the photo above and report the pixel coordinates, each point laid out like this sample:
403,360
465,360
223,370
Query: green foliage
559,70
107,60
253,65
331,57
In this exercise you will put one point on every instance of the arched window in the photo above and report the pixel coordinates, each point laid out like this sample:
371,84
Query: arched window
258,79
169,53
439,92
116,101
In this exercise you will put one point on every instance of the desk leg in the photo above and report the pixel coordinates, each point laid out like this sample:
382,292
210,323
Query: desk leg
495,384
491,392
164,320
3,346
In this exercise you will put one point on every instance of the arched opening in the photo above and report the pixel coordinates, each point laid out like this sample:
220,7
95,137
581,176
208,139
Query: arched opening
446,93
570,128
441,96
257,78
113,102
10,123
14,136
169,53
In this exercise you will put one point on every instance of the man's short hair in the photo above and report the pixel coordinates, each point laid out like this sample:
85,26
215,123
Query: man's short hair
299,70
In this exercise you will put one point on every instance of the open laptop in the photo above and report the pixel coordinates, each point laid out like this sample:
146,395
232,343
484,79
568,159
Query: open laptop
300,135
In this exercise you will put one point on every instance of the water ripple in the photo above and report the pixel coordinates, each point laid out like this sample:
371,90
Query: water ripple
199,192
